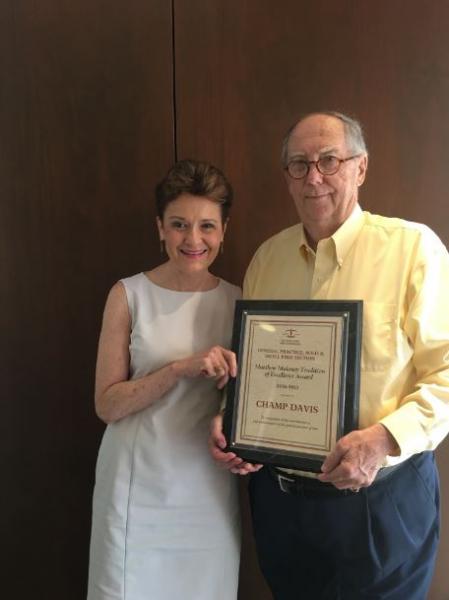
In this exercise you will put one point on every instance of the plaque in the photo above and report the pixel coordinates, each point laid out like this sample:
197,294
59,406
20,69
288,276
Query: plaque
297,387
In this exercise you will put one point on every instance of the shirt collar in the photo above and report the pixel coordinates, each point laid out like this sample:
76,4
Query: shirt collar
343,238
304,247
346,235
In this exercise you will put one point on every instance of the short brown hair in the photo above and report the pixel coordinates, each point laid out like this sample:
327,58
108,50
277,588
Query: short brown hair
198,179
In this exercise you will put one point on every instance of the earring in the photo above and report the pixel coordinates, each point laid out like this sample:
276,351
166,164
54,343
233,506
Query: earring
162,246
221,246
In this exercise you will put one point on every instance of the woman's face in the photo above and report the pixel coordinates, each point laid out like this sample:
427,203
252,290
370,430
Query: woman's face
192,230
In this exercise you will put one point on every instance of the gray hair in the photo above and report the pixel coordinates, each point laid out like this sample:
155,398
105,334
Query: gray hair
352,128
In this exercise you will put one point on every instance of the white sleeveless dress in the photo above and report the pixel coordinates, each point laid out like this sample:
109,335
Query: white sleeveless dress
165,520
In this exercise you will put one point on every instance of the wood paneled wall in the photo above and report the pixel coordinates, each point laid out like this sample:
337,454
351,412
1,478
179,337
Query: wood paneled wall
245,71
86,128
94,107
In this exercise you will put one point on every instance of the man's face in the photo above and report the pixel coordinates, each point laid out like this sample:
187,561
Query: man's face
324,202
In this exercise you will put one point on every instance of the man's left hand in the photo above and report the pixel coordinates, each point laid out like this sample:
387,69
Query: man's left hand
357,457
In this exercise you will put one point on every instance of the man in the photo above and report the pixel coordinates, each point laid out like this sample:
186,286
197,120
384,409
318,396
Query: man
368,525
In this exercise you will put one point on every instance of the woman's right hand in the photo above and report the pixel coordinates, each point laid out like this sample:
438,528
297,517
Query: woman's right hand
216,363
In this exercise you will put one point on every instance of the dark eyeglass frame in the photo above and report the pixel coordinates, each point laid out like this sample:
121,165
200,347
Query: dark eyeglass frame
308,163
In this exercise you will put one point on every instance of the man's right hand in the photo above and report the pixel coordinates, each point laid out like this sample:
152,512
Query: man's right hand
227,460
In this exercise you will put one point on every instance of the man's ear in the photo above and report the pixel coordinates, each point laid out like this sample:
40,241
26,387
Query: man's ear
362,168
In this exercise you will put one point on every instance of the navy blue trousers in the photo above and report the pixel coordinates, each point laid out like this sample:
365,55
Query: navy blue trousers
379,544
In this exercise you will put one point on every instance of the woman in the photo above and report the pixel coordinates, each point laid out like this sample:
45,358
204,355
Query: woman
165,518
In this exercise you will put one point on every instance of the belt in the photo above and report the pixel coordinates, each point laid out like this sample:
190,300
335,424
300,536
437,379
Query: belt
290,483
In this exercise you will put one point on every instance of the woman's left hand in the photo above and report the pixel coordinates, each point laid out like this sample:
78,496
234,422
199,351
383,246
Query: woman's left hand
216,363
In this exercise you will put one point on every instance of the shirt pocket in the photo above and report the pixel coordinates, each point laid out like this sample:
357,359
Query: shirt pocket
379,335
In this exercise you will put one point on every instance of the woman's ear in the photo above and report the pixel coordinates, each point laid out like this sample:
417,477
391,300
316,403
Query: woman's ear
225,224
160,228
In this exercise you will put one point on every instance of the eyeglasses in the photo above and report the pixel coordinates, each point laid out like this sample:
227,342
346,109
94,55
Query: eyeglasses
326,165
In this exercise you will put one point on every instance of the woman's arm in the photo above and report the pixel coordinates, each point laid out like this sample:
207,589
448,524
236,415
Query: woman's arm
115,396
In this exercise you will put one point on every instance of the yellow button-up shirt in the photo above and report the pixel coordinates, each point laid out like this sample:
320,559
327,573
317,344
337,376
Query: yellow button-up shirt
401,272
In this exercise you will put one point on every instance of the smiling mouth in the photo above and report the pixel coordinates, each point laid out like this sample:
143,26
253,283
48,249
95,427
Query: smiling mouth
193,253
316,196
